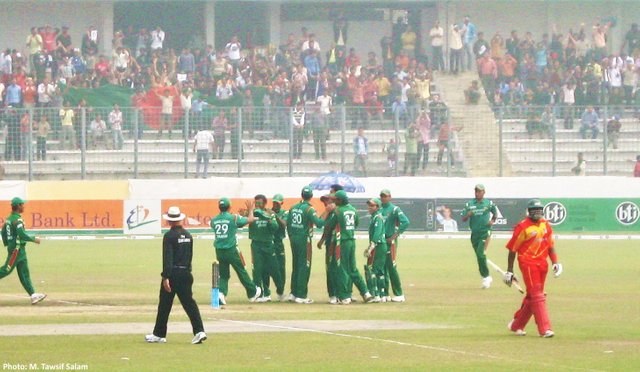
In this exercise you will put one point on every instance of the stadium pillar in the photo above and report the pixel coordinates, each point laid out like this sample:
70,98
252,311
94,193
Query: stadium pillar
106,15
210,22
274,23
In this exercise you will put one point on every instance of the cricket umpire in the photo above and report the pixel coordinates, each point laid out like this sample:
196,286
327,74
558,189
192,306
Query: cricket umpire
177,252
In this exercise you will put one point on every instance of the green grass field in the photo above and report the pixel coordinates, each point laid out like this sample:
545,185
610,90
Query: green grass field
594,307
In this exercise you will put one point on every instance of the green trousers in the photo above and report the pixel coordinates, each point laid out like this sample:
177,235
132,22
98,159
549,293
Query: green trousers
348,272
375,272
232,257
330,268
479,243
17,258
301,266
392,271
281,262
266,265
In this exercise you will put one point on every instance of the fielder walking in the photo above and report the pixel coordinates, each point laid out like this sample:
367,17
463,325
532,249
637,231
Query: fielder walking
300,222
481,214
396,222
177,253
15,238
225,225
532,242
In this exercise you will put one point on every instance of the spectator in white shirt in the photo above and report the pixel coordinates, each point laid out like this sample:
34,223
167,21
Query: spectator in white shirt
233,50
437,36
455,49
157,38
115,120
98,132
203,147
46,90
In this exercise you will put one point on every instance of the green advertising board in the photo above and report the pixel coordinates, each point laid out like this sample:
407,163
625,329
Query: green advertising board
597,215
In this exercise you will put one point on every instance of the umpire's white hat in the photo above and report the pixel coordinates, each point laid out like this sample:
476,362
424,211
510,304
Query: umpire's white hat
174,214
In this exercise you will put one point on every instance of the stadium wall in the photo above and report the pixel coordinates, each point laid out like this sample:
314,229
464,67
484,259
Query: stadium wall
593,204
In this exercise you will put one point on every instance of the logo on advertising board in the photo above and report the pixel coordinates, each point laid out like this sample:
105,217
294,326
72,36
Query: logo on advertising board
555,213
141,217
500,218
627,213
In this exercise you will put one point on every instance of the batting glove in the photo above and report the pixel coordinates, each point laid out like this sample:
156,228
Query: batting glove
557,269
507,278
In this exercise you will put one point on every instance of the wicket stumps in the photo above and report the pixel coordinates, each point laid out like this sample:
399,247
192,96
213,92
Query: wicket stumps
215,291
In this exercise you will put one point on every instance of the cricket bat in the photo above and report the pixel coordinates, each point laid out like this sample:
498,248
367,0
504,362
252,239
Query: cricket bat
215,291
502,272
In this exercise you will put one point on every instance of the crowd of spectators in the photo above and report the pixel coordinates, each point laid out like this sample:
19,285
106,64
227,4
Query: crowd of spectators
569,69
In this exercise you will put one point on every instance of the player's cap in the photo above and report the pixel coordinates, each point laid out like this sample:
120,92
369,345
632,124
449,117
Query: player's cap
173,214
479,187
535,204
385,192
224,203
278,198
307,192
342,195
374,201
17,201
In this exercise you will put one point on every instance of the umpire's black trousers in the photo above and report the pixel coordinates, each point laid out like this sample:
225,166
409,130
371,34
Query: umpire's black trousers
181,282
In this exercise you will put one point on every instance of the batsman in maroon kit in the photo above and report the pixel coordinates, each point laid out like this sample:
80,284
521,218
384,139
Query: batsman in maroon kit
532,241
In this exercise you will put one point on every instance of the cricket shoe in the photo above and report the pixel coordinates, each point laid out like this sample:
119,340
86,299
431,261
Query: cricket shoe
376,299
198,338
303,301
387,299
257,295
155,339
263,299
518,332
367,297
346,301
291,297
398,298
282,298
221,299
548,334
486,282
383,298
37,297
333,300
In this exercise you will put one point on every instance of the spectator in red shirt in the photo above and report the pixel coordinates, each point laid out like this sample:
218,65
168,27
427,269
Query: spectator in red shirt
636,170
29,94
49,38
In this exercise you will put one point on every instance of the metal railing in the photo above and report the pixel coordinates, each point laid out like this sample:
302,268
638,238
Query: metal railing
248,141
263,141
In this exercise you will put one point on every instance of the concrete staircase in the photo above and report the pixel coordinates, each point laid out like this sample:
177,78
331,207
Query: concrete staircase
479,137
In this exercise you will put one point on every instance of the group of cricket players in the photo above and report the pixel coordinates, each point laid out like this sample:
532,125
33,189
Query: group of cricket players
268,227
532,243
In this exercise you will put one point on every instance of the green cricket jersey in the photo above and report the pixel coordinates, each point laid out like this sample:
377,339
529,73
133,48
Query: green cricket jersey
264,228
225,225
482,211
13,233
301,219
396,222
281,233
377,228
344,221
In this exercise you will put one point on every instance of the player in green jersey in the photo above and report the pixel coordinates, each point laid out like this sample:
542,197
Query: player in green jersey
396,222
281,233
481,214
225,226
262,234
376,252
300,222
15,238
344,222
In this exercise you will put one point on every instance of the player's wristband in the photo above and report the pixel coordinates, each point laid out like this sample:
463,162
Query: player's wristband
554,257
